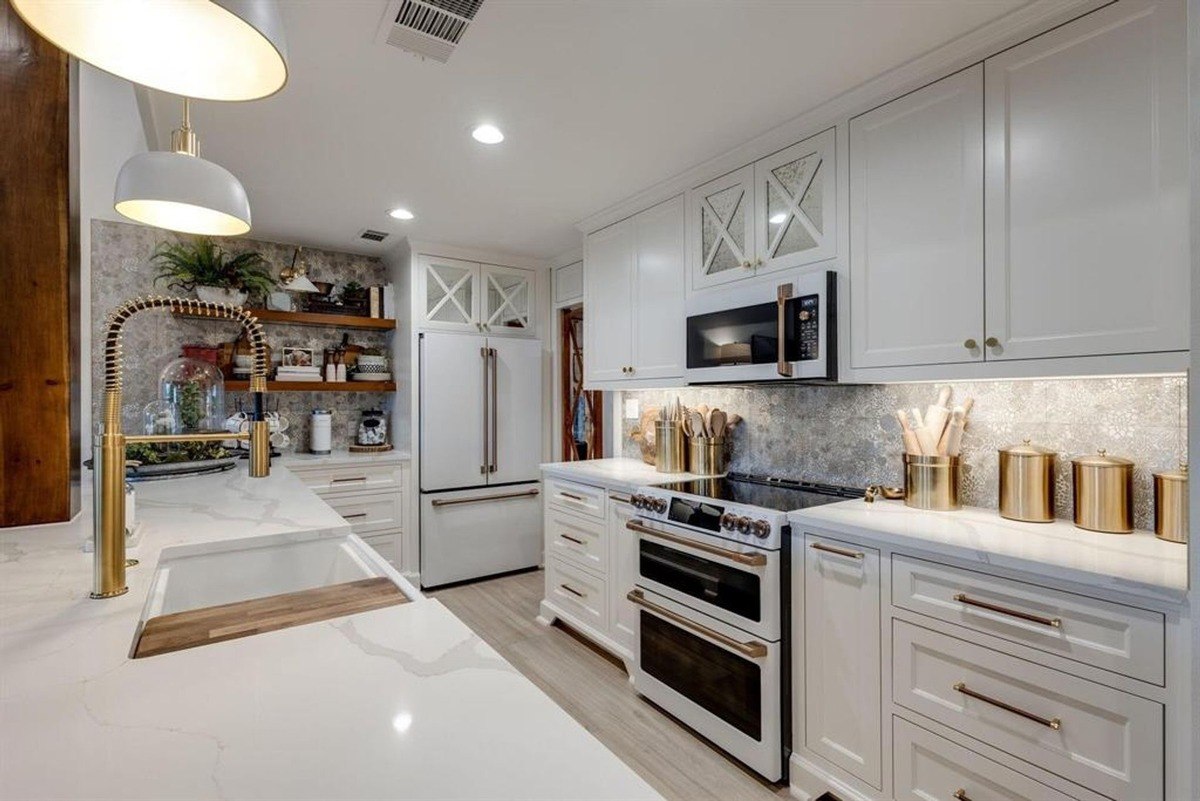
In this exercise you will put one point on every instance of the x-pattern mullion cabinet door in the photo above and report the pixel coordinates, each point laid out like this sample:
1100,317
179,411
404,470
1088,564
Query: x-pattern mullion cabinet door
795,217
722,225
507,299
450,294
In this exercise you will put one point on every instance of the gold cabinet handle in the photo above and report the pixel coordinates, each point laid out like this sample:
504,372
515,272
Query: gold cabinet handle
1050,723
782,365
820,546
484,498
970,344
347,480
569,538
752,649
961,795
751,559
573,591
992,342
354,516
963,598
620,498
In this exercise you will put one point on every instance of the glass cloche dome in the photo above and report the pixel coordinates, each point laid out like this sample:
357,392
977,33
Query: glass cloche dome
197,391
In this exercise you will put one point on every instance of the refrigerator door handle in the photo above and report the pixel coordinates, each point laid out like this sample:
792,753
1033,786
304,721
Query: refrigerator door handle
495,402
483,468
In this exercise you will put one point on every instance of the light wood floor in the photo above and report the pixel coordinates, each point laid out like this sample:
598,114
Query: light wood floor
594,689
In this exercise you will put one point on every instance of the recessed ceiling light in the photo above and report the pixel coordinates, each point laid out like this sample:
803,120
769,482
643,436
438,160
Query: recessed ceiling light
776,219
401,214
488,134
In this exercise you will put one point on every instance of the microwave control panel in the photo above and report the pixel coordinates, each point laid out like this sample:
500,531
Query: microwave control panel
808,327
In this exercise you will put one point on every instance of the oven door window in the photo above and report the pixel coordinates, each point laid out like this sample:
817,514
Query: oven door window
749,335
723,586
724,684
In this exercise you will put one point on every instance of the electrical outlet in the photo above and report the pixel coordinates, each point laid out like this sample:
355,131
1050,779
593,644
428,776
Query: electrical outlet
632,409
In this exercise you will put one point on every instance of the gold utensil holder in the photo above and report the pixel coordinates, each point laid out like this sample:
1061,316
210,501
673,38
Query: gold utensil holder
1171,505
669,447
932,482
706,456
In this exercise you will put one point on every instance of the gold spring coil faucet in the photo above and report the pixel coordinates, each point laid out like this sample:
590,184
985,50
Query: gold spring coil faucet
110,441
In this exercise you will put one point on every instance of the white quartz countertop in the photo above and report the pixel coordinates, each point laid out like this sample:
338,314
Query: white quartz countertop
1136,564
404,702
343,457
617,473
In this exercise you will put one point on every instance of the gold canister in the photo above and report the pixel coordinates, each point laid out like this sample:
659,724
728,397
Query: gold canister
706,456
669,446
1027,483
932,482
1171,505
1103,493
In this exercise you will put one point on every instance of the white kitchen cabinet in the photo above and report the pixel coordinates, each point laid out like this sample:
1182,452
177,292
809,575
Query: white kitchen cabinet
916,227
775,214
1086,204
568,284
842,668
462,295
623,570
633,299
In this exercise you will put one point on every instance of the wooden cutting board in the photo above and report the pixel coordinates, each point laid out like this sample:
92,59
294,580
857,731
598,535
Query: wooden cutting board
195,627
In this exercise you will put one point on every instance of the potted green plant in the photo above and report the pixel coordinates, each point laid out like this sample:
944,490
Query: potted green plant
202,265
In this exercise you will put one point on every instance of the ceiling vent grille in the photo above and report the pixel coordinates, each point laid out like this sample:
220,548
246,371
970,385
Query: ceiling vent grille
428,28
372,235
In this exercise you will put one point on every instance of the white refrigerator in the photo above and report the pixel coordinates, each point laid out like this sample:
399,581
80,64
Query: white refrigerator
480,446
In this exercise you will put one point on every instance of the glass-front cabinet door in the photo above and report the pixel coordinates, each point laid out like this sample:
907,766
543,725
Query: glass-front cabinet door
722,229
451,293
507,299
795,212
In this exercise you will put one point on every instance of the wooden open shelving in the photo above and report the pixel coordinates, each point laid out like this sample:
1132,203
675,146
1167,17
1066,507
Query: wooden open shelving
309,318
315,386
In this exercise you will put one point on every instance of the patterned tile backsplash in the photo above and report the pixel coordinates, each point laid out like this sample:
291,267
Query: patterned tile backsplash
121,270
848,434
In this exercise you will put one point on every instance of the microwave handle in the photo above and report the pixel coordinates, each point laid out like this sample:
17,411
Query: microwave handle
782,365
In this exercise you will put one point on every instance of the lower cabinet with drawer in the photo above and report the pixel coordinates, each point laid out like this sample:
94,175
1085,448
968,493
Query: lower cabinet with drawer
591,563
915,679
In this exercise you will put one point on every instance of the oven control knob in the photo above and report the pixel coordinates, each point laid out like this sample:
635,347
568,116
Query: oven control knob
761,529
638,501
660,505
743,525
728,521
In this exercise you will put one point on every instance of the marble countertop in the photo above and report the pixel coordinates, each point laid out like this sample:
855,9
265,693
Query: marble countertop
343,456
402,702
1133,564
616,473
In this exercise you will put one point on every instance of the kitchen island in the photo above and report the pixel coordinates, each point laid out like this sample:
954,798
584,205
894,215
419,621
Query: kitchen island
401,702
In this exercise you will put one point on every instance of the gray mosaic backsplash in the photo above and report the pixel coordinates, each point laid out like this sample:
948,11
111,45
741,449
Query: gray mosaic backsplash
848,434
121,270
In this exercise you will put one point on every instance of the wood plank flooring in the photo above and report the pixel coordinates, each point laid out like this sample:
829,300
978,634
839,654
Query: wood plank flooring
595,690
195,627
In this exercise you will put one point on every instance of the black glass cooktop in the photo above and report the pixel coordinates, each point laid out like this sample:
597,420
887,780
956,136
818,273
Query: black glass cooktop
783,495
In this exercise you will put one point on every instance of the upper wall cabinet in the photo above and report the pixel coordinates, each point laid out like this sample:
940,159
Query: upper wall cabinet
775,214
468,296
633,307
1087,198
916,227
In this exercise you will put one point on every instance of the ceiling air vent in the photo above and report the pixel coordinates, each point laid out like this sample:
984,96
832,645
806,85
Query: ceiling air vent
373,236
429,28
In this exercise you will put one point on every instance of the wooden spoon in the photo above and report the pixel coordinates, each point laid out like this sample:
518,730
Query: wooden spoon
697,421
716,421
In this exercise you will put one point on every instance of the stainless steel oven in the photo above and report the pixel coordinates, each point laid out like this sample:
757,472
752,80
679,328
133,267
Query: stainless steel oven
784,329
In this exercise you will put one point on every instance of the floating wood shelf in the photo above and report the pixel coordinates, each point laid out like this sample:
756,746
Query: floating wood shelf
316,386
270,316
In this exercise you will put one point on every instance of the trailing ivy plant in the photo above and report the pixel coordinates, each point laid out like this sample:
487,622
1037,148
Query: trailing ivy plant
202,262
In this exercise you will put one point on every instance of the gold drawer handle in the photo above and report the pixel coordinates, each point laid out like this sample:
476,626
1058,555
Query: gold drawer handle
620,498
961,795
354,516
1050,723
963,598
569,538
820,546
573,591
346,480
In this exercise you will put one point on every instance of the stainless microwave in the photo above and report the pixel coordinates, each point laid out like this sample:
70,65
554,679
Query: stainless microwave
775,331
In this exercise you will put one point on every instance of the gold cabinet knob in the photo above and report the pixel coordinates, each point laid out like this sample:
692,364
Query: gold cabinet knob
992,342
970,344
758,262
746,264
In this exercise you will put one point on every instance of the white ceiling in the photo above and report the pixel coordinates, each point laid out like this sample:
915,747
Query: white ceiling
598,99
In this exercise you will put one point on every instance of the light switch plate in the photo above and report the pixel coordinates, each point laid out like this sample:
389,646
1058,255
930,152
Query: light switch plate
632,409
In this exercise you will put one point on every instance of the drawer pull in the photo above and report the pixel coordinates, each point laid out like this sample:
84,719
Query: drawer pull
1050,723
354,516
620,498
347,480
567,496
1055,622
961,795
820,546
569,538
573,591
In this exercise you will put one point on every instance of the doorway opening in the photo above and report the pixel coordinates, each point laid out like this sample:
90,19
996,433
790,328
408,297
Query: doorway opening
582,435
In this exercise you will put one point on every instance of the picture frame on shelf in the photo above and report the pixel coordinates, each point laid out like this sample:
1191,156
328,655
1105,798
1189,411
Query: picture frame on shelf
298,357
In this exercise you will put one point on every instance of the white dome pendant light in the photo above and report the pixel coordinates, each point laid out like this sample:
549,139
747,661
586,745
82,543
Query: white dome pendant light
180,191
207,49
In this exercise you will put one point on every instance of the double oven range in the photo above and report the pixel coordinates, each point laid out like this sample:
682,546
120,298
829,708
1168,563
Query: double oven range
713,594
